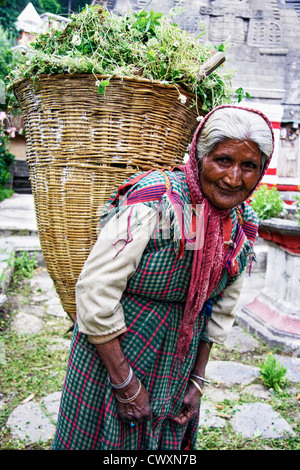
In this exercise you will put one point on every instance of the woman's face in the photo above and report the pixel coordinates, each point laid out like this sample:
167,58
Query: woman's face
230,172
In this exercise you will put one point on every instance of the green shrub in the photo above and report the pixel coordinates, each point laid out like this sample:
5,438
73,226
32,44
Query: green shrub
273,373
266,202
297,202
5,193
24,265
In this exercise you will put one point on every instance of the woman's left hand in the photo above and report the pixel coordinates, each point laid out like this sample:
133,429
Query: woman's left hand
190,405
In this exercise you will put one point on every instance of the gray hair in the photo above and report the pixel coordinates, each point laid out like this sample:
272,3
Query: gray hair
235,124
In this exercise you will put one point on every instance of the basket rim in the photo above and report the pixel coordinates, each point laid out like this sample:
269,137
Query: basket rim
135,78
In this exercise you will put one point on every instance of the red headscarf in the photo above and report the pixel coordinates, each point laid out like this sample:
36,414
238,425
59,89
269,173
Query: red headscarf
208,259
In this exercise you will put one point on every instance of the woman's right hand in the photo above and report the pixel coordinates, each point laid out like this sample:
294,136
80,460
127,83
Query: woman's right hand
118,368
137,410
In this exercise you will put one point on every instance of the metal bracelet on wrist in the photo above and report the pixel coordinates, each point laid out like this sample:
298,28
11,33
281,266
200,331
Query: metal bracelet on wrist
200,378
123,384
128,400
197,386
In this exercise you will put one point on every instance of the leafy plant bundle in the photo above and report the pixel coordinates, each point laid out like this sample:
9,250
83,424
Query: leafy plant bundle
145,44
266,202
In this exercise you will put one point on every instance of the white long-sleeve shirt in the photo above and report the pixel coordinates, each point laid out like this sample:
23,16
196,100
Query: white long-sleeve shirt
104,278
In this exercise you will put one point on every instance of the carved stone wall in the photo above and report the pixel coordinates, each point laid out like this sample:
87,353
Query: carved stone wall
264,37
289,147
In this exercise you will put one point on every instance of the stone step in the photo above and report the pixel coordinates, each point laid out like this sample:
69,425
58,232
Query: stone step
249,317
20,243
17,216
7,255
261,252
13,246
3,299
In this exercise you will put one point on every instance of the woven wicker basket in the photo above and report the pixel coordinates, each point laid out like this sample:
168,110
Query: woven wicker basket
82,145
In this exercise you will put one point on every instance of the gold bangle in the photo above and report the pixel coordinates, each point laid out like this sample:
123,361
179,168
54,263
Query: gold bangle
197,386
128,400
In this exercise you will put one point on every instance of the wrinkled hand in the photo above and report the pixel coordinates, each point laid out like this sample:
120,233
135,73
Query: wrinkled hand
139,409
190,405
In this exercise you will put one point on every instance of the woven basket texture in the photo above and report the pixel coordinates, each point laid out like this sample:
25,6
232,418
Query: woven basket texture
82,145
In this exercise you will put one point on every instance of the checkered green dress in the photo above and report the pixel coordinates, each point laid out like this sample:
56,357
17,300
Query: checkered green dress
153,305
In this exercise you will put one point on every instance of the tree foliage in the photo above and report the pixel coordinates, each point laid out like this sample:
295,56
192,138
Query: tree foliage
9,12
6,43
11,9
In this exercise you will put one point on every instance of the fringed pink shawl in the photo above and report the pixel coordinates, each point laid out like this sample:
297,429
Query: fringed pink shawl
208,259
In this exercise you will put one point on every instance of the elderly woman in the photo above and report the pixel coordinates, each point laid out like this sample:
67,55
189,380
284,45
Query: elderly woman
159,288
